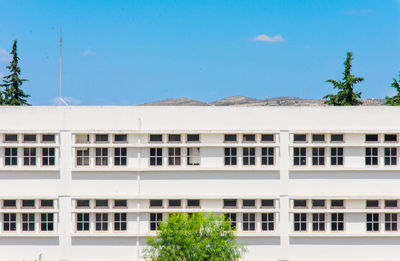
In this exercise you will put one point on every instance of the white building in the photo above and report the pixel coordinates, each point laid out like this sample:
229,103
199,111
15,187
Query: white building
302,183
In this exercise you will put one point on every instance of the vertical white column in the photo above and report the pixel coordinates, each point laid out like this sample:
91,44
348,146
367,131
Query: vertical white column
65,219
284,224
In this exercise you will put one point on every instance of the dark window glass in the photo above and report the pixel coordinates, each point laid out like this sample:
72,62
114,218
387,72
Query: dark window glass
337,222
267,221
174,137
82,203
230,203
299,156
267,203
48,137
193,203
120,138
300,138
390,137
318,203
174,203
300,222
120,223
101,137
390,203
192,137
371,137
155,220
101,203
156,203
249,203
318,156
29,137
230,137
267,137
120,203
300,203
249,156
249,137
390,222
46,203
337,137
11,138
120,157
371,156
28,203
9,203
318,137
156,156
230,156
337,203
336,156
372,204
156,137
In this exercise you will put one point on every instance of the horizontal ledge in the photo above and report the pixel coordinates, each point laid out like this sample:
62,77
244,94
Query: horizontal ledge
31,235
150,234
344,234
174,210
176,145
172,169
342,170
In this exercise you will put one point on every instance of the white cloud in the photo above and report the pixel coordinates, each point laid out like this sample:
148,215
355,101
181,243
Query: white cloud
88,52
68,100
4,56
266,38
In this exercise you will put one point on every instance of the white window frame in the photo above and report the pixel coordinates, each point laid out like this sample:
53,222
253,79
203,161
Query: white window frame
335,155
249,155
46,222
12,156
83,221
318,222
230,158
318,156
120,221
83,159
371,156
10,222
374,221
391,221
156,157
48,156
267,156
337,221
249,219
30,156
174,156
302,158
101,156
120,157
268,219
101,220
193,156
390,156
302,221
155,221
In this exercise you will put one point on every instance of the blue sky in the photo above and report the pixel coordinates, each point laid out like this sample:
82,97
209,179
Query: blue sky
131,52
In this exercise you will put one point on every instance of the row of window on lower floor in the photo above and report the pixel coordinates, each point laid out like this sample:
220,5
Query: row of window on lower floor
26,222
319,221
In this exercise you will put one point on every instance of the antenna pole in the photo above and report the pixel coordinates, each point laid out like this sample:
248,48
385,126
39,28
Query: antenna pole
60,58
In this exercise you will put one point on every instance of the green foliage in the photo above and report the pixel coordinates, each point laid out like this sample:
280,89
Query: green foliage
395,100
12,94
193,237
346,96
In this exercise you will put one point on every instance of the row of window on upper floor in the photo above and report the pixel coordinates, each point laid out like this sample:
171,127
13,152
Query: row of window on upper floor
340,203
28,138
303,138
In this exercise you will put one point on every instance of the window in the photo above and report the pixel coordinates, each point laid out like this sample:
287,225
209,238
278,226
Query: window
11,138
318,156
82,222
390,156
299,156
48,138
83,203
372,204
155,220
230,203
155,156
9,222
120,203
300,203
371,137
156,138
101,221
120,138
120,222
267,137
231,218
230,156
46,203
230,137
82,138
267,221
28,203
29,156
337,203
267,203
82,157
120,156
174,156
372,222
11,156
101,156
390,137
156,203
101,138
267,156
300,221
371,156
101,203
29,138
47,222
48,156
9,203
174,203
193,203
390,222
28,222
249,156
249,138
337,221
318,203
390,203
336,156
174,138
193,156
318,222
318,137
300,138
336,137
249,203
193,138
249,221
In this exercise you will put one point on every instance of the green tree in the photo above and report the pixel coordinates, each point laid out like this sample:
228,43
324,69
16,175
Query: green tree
395,100
196,237
12,93
346,96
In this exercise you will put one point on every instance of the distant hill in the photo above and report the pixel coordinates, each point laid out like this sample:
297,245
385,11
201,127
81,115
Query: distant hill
246,101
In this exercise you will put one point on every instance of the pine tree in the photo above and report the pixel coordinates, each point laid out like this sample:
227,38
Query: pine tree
346,96
12,94
395,100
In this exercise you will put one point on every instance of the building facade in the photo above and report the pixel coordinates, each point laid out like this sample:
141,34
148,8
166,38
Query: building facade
297,183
